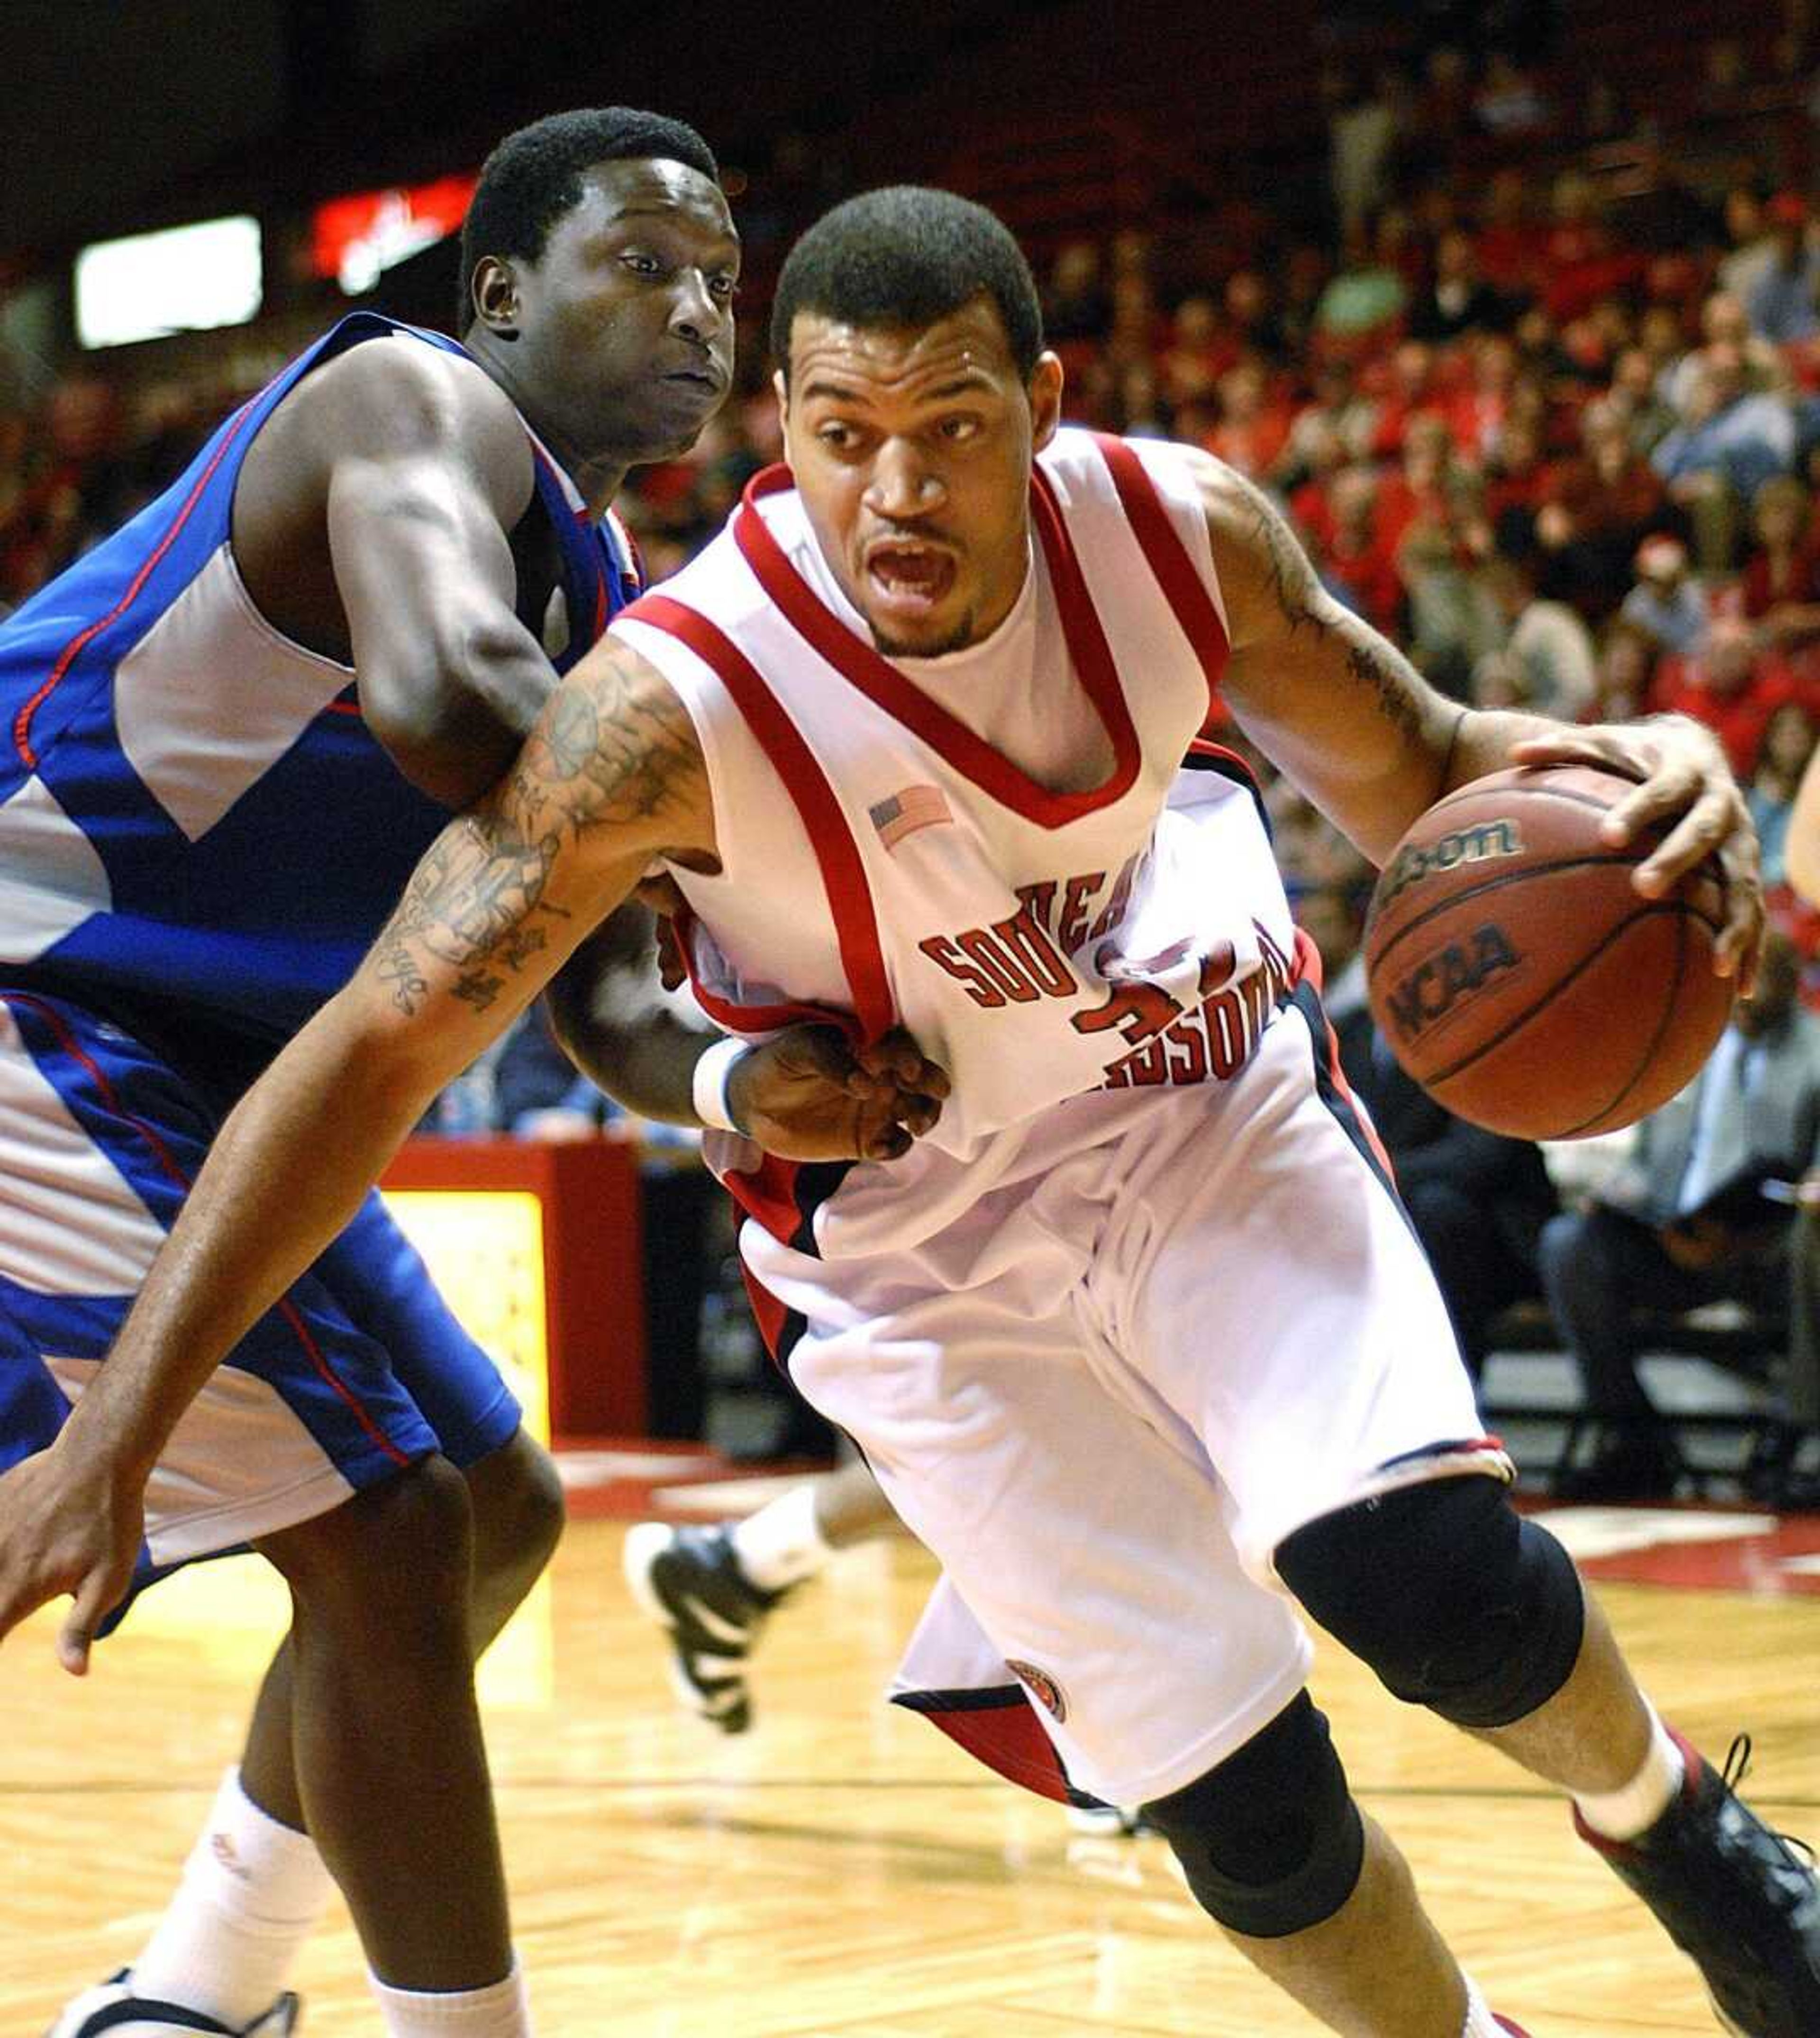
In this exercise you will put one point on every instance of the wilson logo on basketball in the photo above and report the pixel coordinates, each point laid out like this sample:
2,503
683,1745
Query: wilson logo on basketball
1042,1687
1480,843
1437,983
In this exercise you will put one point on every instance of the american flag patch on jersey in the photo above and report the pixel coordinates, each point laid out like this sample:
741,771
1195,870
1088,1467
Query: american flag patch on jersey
903,813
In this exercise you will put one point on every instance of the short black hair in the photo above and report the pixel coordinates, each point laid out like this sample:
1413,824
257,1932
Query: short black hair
533,177
908,255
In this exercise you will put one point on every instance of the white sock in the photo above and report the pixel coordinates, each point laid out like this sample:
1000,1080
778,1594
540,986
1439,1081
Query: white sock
1478,2023
501,2010
252,1891
782,1544
1622,1815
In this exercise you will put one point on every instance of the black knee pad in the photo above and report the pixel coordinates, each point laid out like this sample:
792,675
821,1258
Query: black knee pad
1269,1839
1455,1601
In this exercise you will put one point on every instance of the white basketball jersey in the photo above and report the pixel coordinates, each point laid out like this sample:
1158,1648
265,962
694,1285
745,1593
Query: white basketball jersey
996,849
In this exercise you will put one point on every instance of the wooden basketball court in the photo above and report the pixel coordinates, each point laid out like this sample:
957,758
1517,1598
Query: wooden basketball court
841,1869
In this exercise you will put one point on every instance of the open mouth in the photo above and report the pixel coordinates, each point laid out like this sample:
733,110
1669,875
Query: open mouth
913,579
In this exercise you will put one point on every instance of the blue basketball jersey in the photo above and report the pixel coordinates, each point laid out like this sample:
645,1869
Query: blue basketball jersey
195,820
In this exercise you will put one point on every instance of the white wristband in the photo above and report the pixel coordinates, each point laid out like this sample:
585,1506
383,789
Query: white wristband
710,1085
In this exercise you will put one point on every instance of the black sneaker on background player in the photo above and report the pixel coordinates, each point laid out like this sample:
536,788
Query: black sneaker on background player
1740,1901
689,1581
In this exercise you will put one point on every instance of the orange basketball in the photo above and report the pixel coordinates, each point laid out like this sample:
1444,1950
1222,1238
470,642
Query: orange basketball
1520,979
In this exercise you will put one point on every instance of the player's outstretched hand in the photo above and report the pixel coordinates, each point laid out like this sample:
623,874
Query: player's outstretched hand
67,1524
1686,789
810,1095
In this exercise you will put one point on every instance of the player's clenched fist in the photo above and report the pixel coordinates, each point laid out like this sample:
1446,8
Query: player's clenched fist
810,1095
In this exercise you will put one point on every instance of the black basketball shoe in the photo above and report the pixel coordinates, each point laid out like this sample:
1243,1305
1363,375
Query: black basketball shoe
112,2006
689,1581
1739,1900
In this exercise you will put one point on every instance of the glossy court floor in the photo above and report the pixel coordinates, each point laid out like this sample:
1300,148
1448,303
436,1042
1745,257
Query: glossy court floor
841,1869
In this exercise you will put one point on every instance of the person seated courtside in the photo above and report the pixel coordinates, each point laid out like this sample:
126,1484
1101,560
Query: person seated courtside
1686,1223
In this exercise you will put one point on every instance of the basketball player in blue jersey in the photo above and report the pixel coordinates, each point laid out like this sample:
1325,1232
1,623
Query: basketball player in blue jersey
230,732
1137,1339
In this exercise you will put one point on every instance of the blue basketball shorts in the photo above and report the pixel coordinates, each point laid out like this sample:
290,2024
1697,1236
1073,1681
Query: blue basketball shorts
358,1372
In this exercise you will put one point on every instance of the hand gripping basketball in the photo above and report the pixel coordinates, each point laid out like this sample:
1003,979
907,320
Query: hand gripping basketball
1523,973
1684,790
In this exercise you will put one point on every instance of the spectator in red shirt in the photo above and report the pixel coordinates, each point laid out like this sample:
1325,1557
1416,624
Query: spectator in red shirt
1419,487
1626,670
1731,686
1357,565
1319,457
1780,587
1518,475
1408,390
1476,412
1509,243
1198,352
1600,506
1253,425
1581,262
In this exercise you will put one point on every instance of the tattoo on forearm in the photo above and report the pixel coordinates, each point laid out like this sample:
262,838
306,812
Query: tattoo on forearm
606,754
474,885
630,755
479,989
1292,577
395,967
1396,700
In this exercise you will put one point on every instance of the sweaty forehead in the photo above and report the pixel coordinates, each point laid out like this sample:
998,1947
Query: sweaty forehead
650,187
836,355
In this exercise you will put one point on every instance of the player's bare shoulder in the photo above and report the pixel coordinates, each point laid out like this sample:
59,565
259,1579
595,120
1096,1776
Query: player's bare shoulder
616,749
1265,575
395,397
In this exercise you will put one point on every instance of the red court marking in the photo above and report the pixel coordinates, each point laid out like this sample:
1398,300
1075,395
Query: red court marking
1764,1564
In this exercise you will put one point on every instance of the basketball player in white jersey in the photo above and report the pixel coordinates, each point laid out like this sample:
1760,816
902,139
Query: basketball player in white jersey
223,725
1137,1339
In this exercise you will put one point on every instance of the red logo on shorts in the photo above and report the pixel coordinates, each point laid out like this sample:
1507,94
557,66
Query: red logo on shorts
1043,1688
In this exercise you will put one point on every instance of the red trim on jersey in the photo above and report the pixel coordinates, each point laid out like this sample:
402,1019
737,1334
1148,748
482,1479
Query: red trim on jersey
753,1018
632,566
1308,970
769,1195
904,701
1182,587
768,1192
71,651
999,1729
342,707
1203,746
169,1169
843,872
582,516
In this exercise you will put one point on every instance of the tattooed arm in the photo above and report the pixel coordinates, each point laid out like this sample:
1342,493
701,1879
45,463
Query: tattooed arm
1350,720
610,777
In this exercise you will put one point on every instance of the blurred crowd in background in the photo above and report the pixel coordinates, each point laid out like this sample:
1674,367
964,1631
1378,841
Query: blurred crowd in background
1557,431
